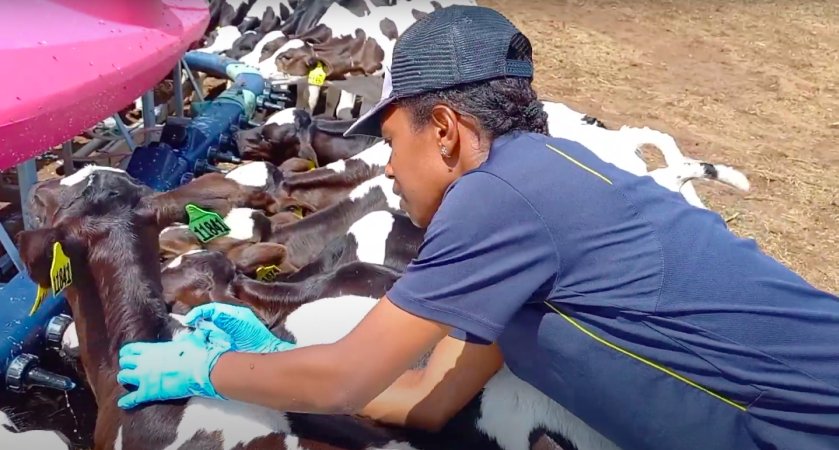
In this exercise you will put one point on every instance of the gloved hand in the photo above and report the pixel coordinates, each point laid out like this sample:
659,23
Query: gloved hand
247,332
169,370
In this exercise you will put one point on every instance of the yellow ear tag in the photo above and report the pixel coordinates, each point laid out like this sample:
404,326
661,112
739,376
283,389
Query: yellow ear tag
61,274
311,164
297,211
39,298
267,273
317,75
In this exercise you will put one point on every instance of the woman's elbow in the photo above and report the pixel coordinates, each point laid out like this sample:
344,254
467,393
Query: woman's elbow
346,398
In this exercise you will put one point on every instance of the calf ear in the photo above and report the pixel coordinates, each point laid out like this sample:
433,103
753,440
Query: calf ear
307,152
35,248
297,206
150,212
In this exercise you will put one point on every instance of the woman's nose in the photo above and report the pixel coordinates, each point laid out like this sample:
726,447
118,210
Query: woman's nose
389,170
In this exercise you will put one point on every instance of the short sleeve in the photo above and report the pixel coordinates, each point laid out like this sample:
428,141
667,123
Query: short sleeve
485,254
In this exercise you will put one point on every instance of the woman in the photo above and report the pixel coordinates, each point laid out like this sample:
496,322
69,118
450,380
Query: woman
642,315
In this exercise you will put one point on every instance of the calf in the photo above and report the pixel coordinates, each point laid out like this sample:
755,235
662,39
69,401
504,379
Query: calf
299,135
306,238
360,45
325,186
622,148
507,414
247,186
254,56
269,23
380,237
115,295
242,245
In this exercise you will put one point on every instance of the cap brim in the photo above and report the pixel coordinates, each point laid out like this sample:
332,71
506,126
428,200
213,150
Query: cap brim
370,123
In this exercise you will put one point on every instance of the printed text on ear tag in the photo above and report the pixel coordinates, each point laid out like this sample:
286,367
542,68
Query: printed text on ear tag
267,273
40,295
206,225
297,211
61,275
317,75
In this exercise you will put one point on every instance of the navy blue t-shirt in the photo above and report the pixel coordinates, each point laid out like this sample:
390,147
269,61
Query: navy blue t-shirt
639,313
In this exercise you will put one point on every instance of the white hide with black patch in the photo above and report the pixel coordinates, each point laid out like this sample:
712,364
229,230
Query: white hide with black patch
268,67
370,234
252,58
377,182
225,37
622,148
326,320
178,259
511,409
377,155
253,174
240,222
282,117
85,172
238,422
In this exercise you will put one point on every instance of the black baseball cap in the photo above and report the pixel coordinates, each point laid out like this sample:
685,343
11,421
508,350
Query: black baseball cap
451,46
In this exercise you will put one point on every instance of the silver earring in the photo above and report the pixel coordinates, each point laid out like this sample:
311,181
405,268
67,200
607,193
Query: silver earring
444,151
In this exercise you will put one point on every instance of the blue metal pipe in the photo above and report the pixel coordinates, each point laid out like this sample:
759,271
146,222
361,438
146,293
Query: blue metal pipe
245,76
189,148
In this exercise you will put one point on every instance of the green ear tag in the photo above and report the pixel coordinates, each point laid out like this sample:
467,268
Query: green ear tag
206,225
267,273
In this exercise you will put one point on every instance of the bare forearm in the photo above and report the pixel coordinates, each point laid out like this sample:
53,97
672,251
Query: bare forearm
396,402
300,380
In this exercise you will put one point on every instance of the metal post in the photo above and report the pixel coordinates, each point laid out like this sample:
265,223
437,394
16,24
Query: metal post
125,133
27,176
179,90
195,86
67,156
11,250
149,117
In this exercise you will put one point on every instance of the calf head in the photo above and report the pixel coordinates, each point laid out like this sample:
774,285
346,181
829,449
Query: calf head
88,209
46,196
177,240
297,61
356,55
278,143
270,48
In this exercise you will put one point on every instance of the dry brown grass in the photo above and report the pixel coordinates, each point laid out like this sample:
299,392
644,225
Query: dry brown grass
752,84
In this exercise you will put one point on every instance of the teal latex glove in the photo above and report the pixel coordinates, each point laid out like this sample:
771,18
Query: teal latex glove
247,332
169,370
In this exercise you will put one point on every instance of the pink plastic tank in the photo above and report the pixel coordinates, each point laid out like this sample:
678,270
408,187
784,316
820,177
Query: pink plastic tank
68,64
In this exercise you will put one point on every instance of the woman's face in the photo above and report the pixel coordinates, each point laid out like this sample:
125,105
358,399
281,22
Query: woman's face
420,172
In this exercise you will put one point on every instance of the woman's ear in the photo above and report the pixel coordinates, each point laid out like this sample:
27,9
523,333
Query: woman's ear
444,121
35,247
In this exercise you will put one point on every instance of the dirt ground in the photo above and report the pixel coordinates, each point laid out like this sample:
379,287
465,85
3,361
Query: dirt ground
752,84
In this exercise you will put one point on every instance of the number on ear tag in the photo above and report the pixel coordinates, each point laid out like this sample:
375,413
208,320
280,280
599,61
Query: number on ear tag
267,273
206,225
317,75
61,275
